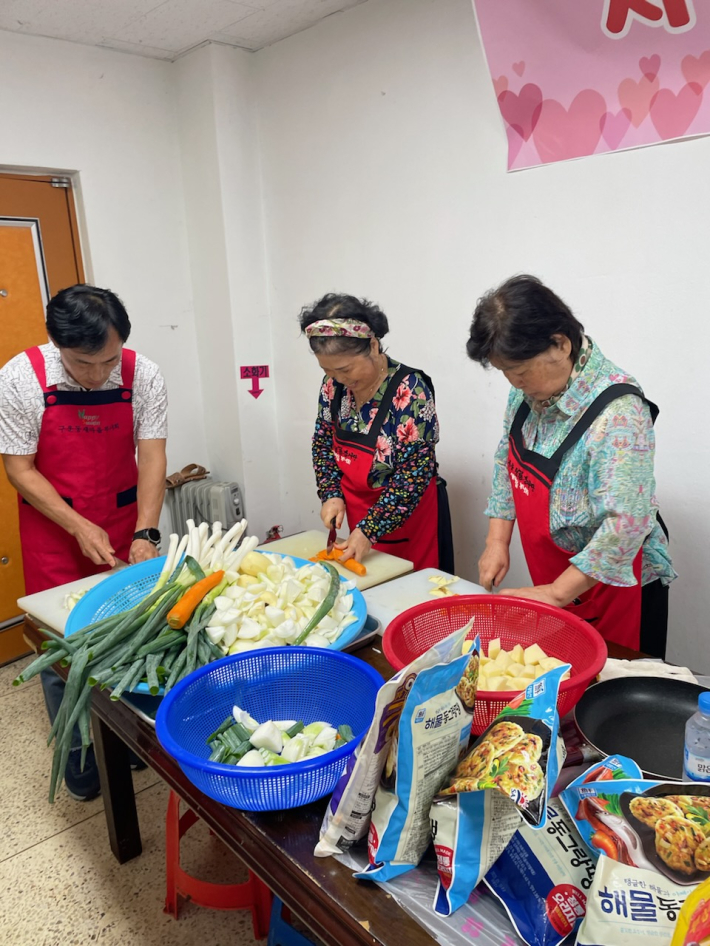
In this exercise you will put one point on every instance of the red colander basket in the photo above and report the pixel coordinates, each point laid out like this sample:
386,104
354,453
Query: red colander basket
514,621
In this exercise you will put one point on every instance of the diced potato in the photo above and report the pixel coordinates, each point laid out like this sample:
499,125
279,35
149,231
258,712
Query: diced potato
566,675
534,654
497,683
493,671
517,654
467,645
549,663
483,660
514,669
518,683
494,648
528,673
253,563
503,659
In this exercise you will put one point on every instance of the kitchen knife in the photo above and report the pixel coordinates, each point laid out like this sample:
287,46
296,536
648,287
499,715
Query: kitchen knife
332,536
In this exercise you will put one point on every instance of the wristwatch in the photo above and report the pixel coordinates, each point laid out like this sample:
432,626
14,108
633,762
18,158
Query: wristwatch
150,535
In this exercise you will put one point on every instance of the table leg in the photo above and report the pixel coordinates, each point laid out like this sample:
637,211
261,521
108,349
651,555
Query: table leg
117,791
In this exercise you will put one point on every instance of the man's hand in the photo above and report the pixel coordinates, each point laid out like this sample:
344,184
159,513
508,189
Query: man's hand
141,551
333,509
493,565
94,543
356,546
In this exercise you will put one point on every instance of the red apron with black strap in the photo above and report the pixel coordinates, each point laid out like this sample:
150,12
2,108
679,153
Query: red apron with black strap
417,538
87,451
615,612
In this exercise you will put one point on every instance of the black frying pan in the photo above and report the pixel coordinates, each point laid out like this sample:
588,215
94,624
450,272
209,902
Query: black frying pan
640,717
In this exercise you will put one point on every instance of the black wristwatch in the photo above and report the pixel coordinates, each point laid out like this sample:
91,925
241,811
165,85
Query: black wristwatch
150,535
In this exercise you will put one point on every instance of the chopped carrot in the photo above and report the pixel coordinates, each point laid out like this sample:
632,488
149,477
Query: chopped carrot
180,614
336,555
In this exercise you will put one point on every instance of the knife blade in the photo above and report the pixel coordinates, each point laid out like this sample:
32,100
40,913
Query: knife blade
332,536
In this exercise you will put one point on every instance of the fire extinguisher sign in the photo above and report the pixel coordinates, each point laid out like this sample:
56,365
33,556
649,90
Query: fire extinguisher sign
254,373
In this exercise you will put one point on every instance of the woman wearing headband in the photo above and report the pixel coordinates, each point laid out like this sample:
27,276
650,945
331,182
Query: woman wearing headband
375,438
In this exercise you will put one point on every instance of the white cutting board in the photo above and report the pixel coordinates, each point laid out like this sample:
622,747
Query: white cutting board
380,566
387,601
47,607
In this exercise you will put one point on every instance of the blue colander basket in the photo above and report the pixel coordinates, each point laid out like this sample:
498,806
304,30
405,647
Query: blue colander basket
301,683
127,587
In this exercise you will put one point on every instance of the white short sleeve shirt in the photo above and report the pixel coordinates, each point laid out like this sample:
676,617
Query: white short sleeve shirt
22,400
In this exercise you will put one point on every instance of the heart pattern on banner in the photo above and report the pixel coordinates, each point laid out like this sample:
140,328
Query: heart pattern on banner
614,127
697,69
521,111
672,114
635,97
649,66
562,133
559,133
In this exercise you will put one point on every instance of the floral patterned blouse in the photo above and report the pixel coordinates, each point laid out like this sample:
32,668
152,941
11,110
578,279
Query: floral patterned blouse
602,503
404,461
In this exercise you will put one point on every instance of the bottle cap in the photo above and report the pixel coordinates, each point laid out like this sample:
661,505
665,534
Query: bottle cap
704,702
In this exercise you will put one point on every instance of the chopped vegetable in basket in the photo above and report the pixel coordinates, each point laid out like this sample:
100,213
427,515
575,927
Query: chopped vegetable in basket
240,740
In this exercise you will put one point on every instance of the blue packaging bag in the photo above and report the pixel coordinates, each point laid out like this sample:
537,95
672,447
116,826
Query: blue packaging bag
434,733
507,775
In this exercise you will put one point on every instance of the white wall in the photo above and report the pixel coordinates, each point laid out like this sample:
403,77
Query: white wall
111,117
216,107
383,161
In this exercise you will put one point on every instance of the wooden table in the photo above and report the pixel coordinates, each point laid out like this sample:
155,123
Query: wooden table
277,846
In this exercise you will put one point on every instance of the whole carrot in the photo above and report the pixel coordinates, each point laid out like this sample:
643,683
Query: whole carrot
180,614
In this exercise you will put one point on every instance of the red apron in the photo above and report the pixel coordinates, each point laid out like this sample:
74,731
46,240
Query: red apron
87,451
416,539
615,612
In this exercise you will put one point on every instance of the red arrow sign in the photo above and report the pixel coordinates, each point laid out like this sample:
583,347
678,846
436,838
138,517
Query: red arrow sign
255,372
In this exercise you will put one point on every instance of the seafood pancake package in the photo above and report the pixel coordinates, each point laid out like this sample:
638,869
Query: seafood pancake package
662,827
542,879
347,817
631,905
433,734
508,774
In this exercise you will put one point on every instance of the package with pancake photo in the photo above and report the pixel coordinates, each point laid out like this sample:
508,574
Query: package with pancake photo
433,734
662,827
508,774
347,818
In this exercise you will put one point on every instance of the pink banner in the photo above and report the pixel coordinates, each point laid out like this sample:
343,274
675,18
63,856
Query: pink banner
580,77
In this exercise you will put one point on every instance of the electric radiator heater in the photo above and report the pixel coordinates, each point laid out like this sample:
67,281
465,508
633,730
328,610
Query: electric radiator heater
204,501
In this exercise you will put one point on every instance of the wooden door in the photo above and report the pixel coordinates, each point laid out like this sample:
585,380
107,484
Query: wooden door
39,255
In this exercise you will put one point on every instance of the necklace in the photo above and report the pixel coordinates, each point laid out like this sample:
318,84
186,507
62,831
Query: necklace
376,384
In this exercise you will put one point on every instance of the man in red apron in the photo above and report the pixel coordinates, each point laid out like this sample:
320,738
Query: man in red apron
68,434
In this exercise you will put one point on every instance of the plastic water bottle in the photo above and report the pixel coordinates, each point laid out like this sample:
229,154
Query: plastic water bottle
696,760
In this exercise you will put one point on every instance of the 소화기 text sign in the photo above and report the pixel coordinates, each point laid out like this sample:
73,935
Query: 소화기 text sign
580,77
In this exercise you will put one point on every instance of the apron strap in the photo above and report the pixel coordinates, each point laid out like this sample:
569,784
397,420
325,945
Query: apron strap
370,438
608,395
37,361
128,367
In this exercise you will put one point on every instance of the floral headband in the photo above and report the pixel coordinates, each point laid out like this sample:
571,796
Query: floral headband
350,328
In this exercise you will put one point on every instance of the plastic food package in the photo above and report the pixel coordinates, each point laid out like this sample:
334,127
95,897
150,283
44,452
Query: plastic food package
693,928
629,905
662,827
347,817
509,772
542,879
433,734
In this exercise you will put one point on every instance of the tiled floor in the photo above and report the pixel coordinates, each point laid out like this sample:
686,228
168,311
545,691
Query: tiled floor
59,882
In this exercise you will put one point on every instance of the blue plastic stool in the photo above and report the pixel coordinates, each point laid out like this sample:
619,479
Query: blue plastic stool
281,933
